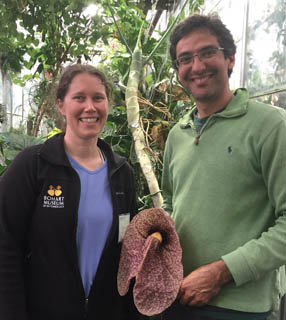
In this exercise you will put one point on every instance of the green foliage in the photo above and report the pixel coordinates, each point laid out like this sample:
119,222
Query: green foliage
16,141
50,32
162,99
10,144
47,35
2,114
53,132
12,44
258,77
56,32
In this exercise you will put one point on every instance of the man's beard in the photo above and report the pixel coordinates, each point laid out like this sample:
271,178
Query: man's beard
204,97
207,96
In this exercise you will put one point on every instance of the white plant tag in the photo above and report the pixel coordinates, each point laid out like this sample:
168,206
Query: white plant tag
124,220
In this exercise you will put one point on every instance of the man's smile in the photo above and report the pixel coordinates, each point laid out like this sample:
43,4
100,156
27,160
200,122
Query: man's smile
202,78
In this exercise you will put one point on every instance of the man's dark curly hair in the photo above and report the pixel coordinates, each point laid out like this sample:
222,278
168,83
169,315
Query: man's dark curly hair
213,24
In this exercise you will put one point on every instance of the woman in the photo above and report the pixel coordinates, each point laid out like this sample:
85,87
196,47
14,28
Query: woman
64,206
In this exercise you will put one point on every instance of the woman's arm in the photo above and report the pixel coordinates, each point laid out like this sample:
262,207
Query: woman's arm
17,196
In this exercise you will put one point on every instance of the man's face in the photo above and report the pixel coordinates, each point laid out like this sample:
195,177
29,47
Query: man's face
206,79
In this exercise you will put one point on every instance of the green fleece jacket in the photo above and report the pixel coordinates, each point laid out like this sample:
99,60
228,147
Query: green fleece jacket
227,196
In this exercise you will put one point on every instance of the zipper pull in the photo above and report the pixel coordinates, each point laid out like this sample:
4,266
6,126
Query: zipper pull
197,138
85,308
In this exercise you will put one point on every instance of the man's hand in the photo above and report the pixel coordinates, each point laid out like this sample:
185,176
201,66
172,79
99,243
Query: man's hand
201,285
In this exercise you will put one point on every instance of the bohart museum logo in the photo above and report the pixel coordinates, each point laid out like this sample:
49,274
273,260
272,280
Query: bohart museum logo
54,198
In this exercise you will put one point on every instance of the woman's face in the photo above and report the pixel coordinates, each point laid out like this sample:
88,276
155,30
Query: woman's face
85,107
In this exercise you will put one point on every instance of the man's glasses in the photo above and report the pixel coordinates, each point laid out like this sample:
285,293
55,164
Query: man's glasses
203,54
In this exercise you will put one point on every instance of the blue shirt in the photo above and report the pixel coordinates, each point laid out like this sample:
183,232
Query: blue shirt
94,219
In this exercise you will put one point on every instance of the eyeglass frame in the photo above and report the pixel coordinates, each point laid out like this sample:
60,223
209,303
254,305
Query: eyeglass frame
192,56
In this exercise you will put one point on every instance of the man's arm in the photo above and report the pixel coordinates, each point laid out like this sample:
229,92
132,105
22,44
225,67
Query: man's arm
264,254
258,256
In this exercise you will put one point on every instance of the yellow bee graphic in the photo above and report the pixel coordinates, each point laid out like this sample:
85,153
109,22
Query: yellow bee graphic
54,191
58,191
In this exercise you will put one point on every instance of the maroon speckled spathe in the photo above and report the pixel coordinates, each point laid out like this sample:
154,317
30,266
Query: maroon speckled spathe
156,266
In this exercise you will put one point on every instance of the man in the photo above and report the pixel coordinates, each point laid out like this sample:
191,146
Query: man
224,184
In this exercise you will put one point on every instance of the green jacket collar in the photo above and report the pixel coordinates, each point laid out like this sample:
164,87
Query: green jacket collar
238,106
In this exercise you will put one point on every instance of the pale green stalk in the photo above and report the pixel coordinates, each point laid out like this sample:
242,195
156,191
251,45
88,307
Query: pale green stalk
133,118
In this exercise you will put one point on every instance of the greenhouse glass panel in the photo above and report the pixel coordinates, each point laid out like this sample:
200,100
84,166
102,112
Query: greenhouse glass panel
265,68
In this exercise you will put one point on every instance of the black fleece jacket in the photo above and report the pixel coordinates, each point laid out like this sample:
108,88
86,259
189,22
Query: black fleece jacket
39,271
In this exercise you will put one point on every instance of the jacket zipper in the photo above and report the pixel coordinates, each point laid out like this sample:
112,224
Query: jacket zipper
113,196
106,244
215,115
85,308
78,275
197,138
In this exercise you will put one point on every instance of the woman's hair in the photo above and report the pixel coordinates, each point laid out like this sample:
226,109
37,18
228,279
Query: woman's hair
213,24
71,71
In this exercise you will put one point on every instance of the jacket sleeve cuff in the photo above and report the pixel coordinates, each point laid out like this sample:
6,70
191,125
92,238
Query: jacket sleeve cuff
238,267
